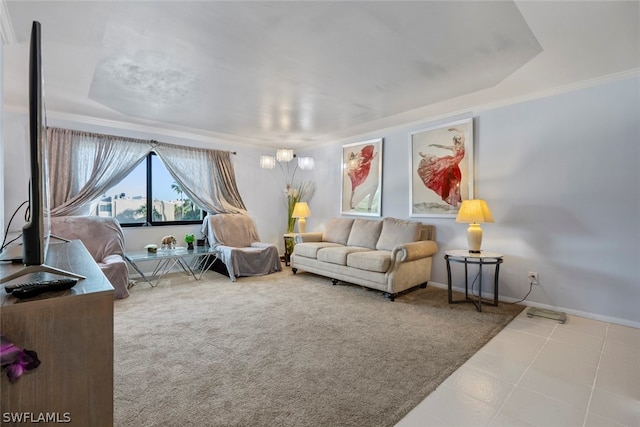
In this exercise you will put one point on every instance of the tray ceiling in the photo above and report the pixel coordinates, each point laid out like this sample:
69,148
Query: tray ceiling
295,73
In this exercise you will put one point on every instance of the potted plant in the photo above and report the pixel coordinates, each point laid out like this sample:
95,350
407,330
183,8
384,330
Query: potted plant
189,238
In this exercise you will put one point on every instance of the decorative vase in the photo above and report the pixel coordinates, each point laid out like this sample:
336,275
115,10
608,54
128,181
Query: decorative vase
291,222
190,245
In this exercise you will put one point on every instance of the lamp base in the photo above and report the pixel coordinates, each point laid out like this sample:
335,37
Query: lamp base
302,225
474,237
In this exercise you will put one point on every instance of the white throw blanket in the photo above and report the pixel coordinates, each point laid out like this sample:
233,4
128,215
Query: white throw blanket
236,236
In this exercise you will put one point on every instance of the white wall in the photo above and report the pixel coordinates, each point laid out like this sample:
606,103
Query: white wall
564,184
561,175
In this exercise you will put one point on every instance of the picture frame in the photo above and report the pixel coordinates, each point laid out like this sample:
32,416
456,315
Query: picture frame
362,178
442,169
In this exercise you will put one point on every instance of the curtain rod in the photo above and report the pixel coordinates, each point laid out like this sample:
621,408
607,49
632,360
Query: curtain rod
153,141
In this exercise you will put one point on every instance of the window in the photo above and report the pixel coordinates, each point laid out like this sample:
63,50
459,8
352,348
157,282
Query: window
128,201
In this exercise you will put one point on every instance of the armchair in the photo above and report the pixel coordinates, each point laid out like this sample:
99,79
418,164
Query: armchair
104,240
236,236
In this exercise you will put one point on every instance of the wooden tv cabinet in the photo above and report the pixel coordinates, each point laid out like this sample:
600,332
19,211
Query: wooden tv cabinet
72,333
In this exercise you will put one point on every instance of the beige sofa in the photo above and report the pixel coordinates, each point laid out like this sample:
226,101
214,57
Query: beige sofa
390,255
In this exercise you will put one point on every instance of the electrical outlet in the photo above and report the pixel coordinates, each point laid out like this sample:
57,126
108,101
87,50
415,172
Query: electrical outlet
533,277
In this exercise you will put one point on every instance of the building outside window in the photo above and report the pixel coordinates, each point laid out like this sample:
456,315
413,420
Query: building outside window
128,201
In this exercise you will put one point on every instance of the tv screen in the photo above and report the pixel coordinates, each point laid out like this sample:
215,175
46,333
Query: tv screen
35,234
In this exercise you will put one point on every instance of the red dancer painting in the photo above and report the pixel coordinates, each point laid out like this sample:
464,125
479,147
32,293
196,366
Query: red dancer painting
442,174
358,168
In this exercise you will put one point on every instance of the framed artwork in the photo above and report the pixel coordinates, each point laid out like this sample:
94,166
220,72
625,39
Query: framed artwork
362,178
441,169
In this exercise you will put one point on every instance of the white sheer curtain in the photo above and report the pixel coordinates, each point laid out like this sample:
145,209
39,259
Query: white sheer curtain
82,166
206,176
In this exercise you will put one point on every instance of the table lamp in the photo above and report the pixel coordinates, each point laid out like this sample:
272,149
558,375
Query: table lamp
474,212
301,211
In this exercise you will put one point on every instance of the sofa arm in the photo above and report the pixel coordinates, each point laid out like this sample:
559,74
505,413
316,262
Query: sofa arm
312,236
414,250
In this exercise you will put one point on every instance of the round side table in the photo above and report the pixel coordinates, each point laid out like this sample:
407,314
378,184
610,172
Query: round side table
481,259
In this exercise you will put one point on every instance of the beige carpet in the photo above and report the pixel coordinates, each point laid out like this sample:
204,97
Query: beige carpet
285,350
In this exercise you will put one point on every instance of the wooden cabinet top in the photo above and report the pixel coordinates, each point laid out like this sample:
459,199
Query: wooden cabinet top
70,256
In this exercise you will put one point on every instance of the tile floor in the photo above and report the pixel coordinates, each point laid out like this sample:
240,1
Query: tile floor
538,372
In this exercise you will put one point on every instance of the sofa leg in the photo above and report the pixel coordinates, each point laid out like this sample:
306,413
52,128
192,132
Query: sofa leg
423,285
295,270
391,297
334,282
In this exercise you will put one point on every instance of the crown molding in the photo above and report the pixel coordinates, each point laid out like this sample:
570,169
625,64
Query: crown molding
6,27
154,129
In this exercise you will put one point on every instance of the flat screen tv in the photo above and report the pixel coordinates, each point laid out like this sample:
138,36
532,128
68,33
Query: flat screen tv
36,233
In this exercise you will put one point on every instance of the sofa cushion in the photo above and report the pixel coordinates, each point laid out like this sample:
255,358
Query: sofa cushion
378,261
310,249
365,233
397,231
337,230
338,254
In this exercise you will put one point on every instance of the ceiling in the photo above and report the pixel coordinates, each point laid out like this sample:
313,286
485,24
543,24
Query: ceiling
293,73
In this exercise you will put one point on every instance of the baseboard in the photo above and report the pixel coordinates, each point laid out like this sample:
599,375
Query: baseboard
579,313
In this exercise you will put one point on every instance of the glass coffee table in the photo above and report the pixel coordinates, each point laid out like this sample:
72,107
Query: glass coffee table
190,260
